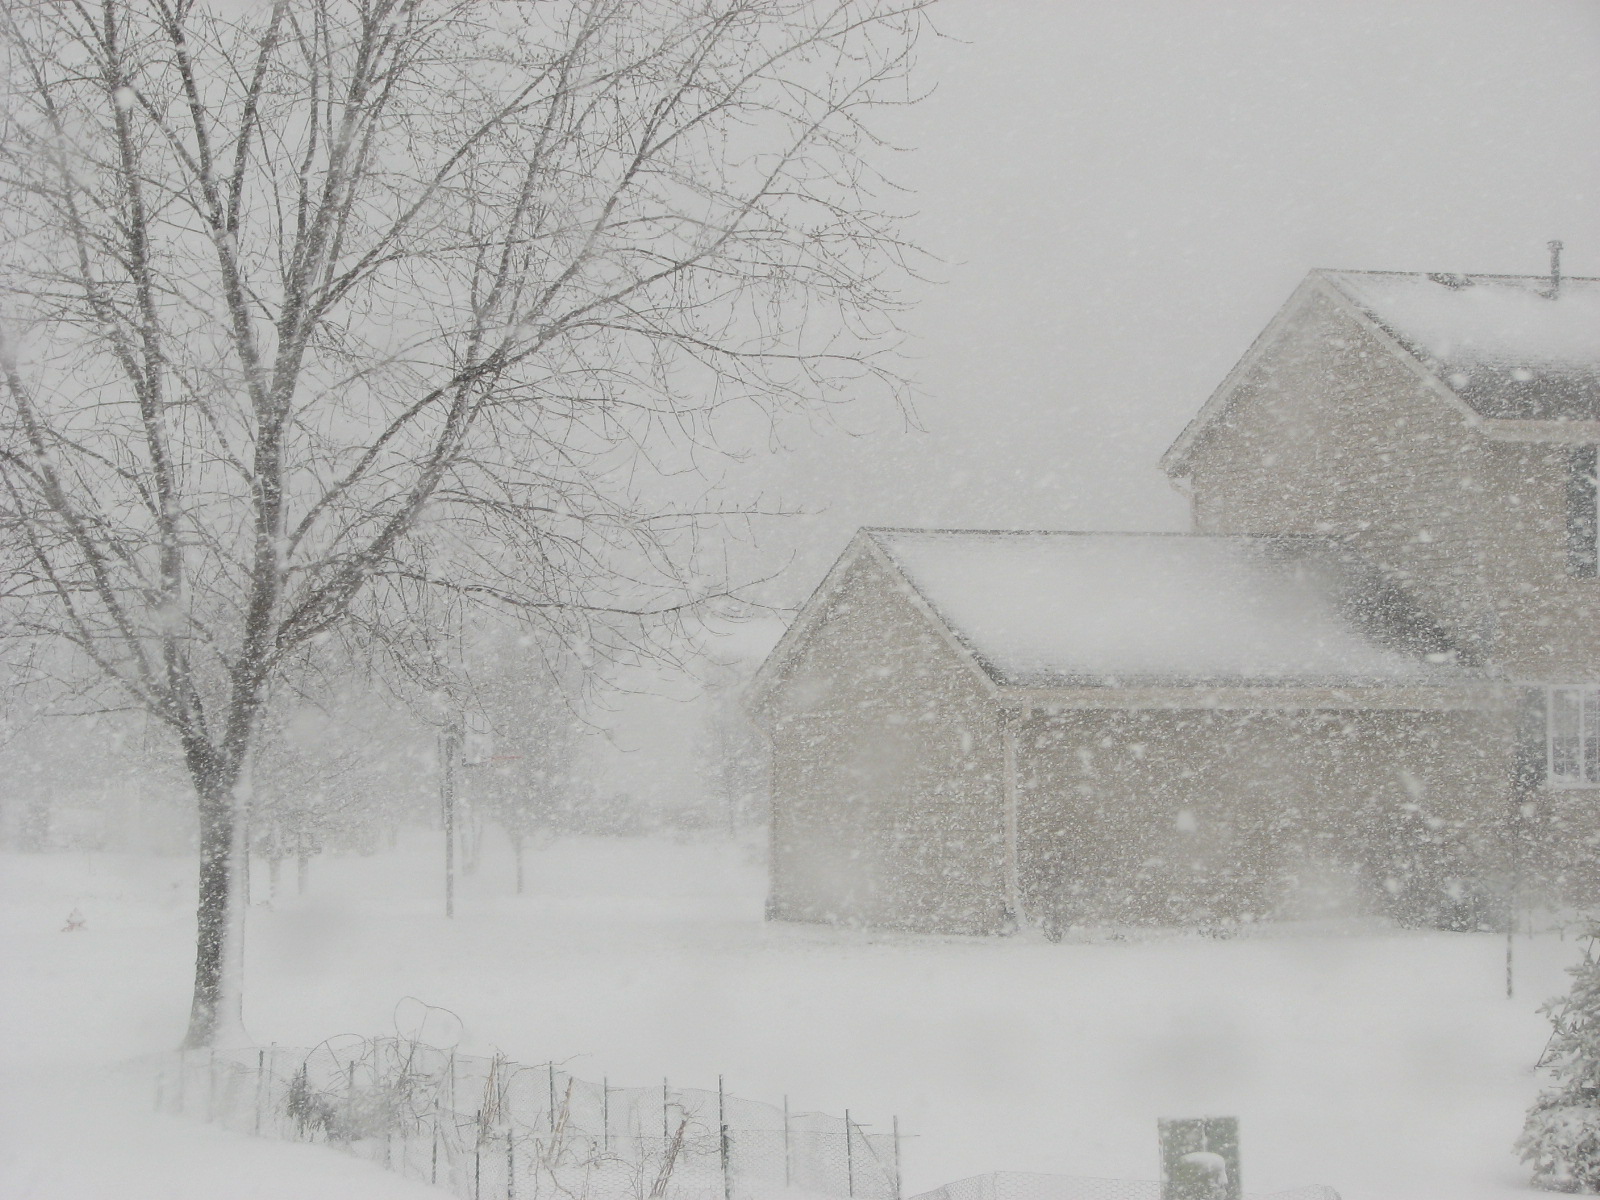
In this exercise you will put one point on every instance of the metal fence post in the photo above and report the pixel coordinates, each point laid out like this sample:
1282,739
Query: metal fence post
896,1158
849,1158
722,1140
807,1162
271,1074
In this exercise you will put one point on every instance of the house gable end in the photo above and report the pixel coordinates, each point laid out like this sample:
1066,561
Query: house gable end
863,576
1316,299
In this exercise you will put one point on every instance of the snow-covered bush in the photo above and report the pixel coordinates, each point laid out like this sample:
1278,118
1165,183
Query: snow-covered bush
1561,1137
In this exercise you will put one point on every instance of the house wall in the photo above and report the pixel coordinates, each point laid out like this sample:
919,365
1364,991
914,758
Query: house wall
886,770
1193,815
1329,434
1547,621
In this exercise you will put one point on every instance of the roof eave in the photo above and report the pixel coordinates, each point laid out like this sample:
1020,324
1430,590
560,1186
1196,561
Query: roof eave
1425,374
771,669
984,671
1176,459
1524,429
1474,696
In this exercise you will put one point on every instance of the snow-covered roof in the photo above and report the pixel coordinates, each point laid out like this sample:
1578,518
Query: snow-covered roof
1511,346
1063,609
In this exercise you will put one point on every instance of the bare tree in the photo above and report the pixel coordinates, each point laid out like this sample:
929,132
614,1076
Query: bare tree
523,697
312,780
526,776
318,307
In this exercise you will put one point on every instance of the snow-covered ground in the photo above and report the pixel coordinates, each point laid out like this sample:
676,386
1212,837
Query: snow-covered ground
1387,1064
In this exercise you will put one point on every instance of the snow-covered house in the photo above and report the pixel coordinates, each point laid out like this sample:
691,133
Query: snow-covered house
1382,641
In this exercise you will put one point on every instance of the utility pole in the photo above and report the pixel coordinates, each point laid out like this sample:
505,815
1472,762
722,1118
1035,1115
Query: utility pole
449,748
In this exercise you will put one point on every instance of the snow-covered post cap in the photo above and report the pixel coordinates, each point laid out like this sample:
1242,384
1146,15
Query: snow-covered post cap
1199,1158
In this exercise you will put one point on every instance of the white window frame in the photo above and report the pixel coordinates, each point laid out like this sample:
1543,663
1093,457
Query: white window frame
1572,751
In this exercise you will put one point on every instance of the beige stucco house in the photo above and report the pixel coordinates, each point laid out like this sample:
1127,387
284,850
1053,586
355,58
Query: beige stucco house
1368,682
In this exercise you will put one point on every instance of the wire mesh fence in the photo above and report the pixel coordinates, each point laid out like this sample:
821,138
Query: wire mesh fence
492,1129
1023,1185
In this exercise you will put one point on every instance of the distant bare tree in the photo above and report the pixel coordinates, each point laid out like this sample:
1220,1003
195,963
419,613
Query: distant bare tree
304,791
525,778
316,308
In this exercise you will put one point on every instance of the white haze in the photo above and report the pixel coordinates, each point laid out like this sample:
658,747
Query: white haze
1116,196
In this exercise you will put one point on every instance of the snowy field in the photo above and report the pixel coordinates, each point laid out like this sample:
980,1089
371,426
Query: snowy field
1387,1064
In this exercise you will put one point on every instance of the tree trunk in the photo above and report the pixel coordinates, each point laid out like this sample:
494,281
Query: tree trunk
472,844
516,849
216,1013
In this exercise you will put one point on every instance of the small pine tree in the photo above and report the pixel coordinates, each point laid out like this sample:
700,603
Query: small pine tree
1561,1136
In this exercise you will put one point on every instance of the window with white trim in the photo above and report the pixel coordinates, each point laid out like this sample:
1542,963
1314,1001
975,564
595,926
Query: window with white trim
1573,727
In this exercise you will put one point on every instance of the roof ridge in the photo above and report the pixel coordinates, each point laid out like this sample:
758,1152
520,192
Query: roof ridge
1543,278
874,530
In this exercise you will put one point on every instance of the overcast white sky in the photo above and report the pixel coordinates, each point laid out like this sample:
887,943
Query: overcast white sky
1124,193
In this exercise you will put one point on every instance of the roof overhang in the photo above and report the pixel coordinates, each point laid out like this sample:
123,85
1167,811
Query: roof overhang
1486,697
811,612
1176,459
1561,433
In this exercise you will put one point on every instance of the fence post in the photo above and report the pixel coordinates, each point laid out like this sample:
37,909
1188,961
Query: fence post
722,1140
261,1073
849,1158
272,1073
433,1161
787,1160
605,1114
666,1134
477,1160
896,1158
550,1068
211,1085
511,1168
